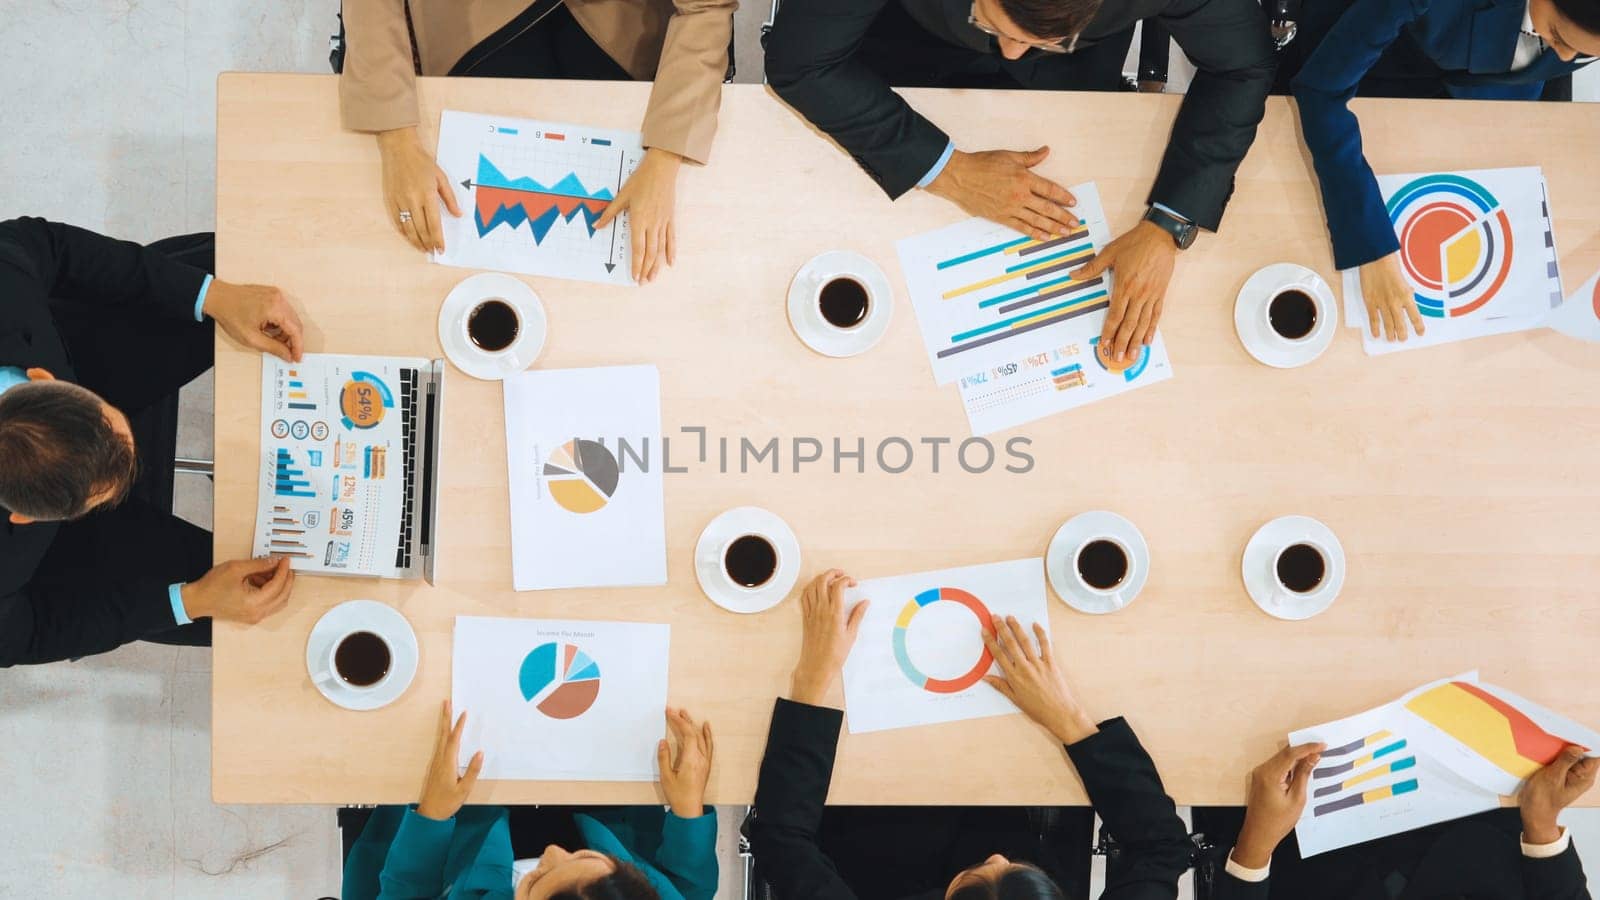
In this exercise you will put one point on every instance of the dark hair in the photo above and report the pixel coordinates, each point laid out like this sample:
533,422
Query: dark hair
1583,13
57,450
1020,882
626,882
1052,18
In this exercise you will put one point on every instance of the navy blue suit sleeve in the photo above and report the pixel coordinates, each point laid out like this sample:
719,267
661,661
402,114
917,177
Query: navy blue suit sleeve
1357,220
1559,877
1126,791
70,263
796,771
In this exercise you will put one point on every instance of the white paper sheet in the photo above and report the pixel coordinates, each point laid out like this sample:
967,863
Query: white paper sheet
584,454
332,488
1485,734
530,192
1579,315
1371,782
919,656
1478,249
561,700
1055,380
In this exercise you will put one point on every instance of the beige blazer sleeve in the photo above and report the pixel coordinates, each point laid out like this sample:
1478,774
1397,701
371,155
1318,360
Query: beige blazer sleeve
378,88
682,114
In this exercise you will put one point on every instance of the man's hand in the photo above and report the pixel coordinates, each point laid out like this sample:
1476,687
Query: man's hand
997,185
1277,797
413,183
1554,788
243,590
684,779
829,633
649,194
1389,298
1034,682
257,316
443,792
1142,260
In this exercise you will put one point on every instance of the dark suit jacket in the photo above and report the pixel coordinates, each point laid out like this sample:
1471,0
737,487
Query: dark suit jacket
811,64
1477,858
39,260
798,766
1470,41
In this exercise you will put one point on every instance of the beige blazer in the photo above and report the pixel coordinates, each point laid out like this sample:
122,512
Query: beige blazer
681,44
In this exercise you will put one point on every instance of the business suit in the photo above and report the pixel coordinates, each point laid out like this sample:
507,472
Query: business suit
815,62
1456,48
117,318
787,839
1476,858
680,44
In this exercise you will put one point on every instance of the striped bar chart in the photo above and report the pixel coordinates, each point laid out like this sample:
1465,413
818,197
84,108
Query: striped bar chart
289,480
1387,744
1068,377
1373,796
1373,774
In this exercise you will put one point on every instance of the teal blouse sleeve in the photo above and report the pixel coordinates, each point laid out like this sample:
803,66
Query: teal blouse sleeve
688,855
414,868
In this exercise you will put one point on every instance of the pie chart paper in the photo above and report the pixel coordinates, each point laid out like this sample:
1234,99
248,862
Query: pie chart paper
585,460
560,699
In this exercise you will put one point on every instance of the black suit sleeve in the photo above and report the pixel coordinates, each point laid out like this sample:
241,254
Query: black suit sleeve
1231,888
1230,45
812,64
49,623
793,787
1558,877
69,263
1127,792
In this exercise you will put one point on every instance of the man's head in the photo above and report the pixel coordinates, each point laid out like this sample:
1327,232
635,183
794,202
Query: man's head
1021,25
63,451
1570,27
998,878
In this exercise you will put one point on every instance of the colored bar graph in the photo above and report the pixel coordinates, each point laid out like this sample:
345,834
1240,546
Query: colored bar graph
1341,768
1041,246
1022,292
301,405
1010,273
1069,287
980,254
504,130
1383,793
289,481
1072,251
1068,377
600,142
1038,319
1399,765
554,136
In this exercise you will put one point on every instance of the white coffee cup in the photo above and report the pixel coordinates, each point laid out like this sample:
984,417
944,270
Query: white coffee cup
329,676
1282,594
735,584
1116,593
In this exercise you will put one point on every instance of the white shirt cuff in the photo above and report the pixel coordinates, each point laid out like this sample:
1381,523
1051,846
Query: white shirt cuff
1545,851
1245,873
938,165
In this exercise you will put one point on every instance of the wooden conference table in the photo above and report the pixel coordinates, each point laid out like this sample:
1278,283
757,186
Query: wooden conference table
1461,480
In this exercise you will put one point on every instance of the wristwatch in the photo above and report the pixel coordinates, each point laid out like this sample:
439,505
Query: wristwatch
1183,232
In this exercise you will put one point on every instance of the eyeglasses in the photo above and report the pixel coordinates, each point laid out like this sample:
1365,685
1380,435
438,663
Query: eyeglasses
1065,45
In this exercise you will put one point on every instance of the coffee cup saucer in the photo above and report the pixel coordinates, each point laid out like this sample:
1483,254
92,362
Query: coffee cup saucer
1060,560
467,356
714,579
1250,316
1261,553
806,319
363,615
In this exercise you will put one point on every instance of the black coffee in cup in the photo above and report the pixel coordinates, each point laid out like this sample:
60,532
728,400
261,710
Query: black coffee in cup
362,659
843,302
751,561
1301,568
1102,564
493,325
1293,313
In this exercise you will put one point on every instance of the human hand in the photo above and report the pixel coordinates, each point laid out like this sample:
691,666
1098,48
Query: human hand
1389,298
1142,260
241,590
997,185
443,792
649,195
1551,789
684,780
829,632
1277,797
258,316
412,184
1034,682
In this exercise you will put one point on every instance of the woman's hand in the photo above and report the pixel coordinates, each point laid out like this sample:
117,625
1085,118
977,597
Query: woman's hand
1033,681
829,633
1276,799
649,195
412,186
442,792
1390,299
684,779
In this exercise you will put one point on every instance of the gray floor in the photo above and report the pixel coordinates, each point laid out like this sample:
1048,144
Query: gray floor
109,758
